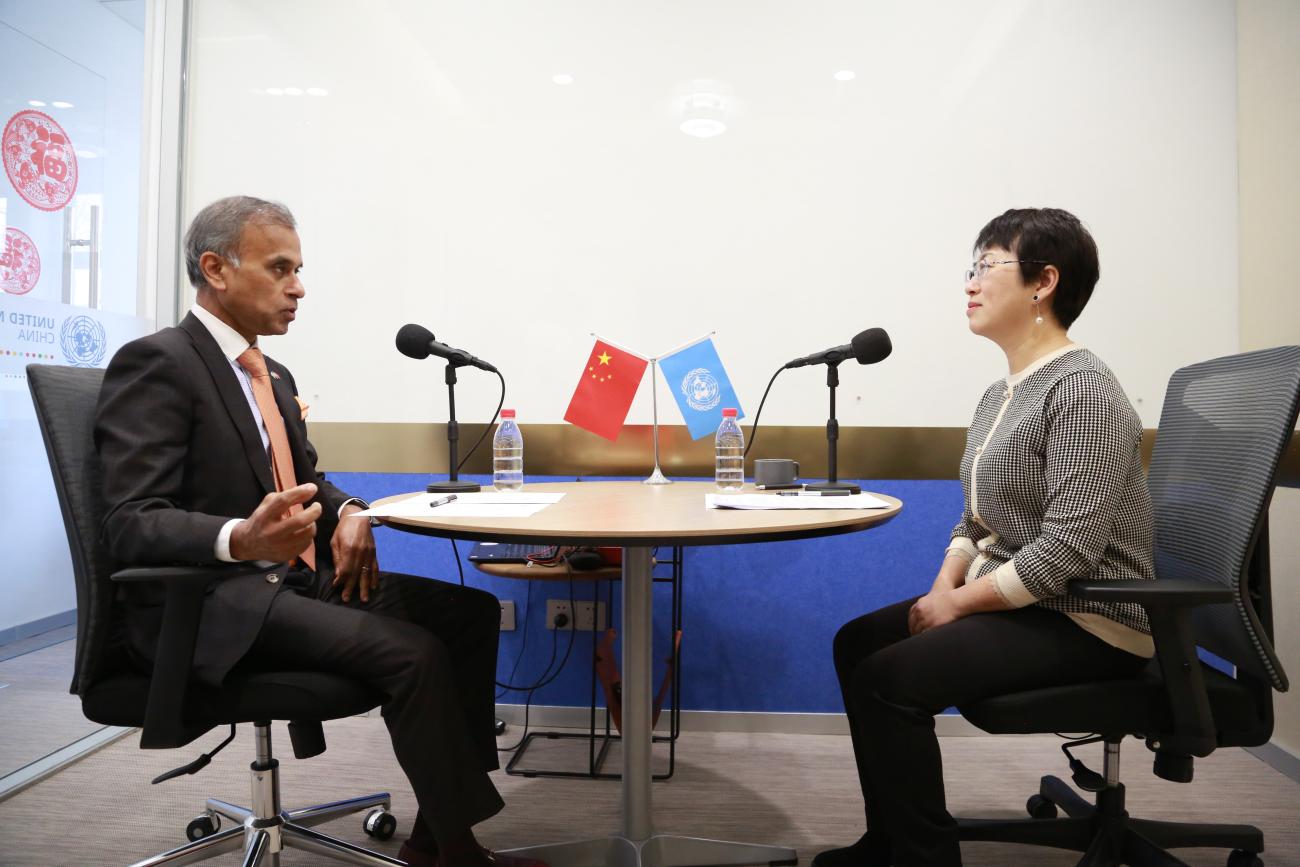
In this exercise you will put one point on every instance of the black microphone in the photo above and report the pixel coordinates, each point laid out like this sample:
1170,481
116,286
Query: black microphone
416,341
867,347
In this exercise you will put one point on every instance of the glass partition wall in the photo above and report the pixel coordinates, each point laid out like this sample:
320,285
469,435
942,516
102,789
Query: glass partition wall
71,86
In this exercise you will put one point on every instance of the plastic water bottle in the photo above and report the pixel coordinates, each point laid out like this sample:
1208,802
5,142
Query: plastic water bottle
729,446
508,454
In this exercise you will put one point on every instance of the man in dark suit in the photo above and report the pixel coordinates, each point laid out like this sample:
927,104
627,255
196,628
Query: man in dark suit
203,445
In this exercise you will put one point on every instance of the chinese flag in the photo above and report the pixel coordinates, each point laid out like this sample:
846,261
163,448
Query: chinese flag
604,393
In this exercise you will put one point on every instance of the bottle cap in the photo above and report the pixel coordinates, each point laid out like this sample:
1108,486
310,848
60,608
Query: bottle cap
729,412
507,413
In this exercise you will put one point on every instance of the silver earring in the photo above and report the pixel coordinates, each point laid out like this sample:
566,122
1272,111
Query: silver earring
1038,318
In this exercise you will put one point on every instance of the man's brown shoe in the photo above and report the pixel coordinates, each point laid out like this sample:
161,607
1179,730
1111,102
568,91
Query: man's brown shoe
415,858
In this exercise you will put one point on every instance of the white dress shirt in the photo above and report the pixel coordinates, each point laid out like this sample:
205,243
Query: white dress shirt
232,345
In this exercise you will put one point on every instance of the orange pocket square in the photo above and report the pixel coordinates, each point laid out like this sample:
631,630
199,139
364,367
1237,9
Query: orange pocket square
302,407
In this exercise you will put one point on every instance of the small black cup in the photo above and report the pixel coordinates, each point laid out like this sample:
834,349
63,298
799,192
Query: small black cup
775,472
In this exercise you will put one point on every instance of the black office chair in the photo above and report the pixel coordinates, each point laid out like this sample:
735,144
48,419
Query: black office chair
172,710
1223,430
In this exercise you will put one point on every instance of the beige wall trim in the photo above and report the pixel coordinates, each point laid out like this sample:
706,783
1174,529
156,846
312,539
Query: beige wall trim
43,768
565,450
1268,223
1278,758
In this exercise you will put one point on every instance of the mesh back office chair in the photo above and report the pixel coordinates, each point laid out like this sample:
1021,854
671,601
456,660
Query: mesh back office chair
1223,430
171,710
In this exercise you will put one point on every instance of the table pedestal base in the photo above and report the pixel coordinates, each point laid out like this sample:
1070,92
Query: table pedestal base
639,845
660,850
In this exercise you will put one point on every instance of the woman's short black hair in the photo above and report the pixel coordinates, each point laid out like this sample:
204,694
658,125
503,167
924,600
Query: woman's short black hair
1055,237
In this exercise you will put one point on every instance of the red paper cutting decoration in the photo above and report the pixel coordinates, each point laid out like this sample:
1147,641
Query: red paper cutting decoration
20,263
39,160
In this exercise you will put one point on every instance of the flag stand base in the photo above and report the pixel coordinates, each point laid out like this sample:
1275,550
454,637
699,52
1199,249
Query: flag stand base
657,478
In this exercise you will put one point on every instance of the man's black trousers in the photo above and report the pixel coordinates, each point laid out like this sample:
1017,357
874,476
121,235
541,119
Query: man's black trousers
430,648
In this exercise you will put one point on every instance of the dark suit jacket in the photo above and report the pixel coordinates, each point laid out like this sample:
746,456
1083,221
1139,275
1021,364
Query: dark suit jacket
182,455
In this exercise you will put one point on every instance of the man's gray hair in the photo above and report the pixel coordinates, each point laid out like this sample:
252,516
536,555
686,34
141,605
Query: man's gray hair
218,227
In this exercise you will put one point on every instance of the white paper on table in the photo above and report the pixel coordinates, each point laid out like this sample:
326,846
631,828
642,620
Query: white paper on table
774,501
417,506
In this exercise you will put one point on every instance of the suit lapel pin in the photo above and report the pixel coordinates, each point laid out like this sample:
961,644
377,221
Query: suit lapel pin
274,375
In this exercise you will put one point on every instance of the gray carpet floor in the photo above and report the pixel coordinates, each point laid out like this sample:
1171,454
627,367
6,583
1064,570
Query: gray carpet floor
795,790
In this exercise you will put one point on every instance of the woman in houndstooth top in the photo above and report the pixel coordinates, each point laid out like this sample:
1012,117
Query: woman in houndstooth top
1054,491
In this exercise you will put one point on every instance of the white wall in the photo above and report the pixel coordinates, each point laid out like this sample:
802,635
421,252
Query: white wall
1269,79
446,180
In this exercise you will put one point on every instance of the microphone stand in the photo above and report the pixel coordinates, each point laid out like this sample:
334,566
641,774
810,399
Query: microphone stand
832,440
452,485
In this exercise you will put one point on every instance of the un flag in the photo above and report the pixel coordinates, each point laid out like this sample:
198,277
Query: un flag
701,386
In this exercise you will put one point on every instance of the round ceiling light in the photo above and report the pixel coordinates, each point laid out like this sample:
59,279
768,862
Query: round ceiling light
704,115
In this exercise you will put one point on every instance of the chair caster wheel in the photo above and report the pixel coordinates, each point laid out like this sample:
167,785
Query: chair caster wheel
202,826
380,824
500,727
1242,858
1039,807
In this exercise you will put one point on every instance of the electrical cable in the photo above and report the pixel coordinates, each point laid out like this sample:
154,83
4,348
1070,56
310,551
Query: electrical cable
523,644
455,554
528,703
753,429
547,676
573,631
478,442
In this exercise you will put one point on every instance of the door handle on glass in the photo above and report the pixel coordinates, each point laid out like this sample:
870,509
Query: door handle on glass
93,243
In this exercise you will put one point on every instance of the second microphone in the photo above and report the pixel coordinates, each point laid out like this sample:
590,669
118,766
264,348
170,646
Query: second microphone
416,341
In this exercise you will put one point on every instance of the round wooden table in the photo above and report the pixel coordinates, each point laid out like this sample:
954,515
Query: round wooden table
638,517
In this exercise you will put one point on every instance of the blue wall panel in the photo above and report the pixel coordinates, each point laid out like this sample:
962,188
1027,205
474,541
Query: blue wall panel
758,620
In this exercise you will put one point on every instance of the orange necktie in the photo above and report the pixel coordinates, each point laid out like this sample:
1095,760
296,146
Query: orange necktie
281,459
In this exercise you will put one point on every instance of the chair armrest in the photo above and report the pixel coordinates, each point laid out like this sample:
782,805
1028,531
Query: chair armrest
1168,604
1164,593
185,588
173,575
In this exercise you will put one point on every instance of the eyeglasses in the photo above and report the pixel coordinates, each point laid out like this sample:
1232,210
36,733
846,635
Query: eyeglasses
977,271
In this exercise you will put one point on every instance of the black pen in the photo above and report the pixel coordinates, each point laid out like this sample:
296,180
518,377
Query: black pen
442,501
813,493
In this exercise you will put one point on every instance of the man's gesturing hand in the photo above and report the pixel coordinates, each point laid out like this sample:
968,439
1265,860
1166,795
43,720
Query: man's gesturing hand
271,533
